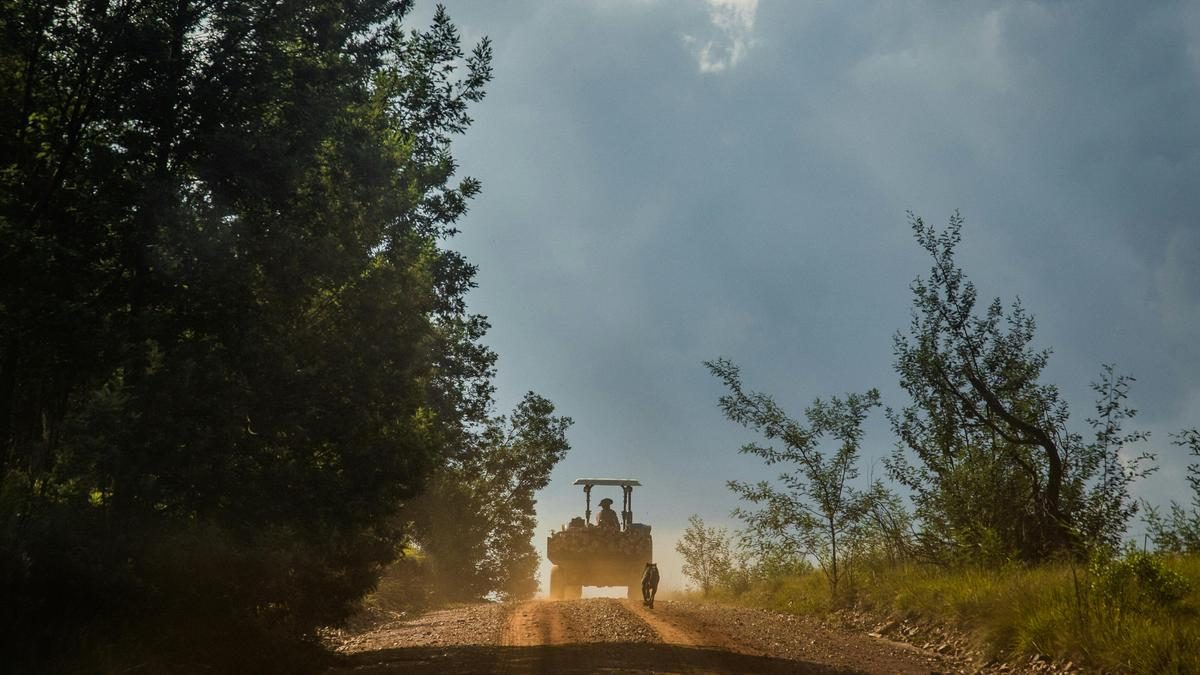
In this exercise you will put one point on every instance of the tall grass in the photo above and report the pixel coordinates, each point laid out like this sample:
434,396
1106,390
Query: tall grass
1105,617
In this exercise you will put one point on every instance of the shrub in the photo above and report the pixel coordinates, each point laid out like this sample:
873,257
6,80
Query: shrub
1138,580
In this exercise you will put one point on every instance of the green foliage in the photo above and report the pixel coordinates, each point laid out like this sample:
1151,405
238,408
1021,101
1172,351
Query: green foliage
818,513
885,532
1015,611
476,520
999,475
1099,481
405,586
1137,580
707,552
231,339
728,565
766,559
1179,532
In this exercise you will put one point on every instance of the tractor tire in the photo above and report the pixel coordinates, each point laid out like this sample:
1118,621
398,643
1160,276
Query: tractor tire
558,586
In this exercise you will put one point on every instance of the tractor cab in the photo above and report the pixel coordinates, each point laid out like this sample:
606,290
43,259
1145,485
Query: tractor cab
626,485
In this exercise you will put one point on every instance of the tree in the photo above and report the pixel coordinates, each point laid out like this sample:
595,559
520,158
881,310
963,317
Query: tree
999,473
884,535
1100,480
706,553
232,341
477,518
768,559
1180,531
818,507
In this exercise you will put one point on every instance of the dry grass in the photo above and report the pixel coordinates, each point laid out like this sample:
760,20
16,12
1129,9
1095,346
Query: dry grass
1063,611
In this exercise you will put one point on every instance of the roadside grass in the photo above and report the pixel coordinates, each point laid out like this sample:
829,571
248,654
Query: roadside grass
1140,614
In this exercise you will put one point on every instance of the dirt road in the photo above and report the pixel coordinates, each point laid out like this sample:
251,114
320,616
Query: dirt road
616,636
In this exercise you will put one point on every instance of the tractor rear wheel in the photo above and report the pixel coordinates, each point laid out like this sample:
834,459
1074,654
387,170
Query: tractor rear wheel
558,586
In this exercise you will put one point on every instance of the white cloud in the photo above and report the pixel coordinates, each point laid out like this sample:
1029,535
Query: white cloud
731,35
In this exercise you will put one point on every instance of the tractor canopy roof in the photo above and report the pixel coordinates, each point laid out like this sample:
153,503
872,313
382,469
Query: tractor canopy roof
607,481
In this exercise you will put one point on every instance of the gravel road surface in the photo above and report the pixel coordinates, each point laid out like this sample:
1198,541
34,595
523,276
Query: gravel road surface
616,636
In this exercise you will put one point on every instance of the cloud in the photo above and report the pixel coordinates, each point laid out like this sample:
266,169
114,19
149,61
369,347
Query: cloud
732,35
636,219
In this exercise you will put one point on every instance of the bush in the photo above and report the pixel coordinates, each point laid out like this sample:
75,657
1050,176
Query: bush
1140,581
406,585
1137,613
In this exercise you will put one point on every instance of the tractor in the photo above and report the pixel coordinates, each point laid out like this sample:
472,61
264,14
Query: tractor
587,554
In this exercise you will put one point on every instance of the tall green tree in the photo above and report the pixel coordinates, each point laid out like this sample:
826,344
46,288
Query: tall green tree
475,523
818,509
999,473
232,339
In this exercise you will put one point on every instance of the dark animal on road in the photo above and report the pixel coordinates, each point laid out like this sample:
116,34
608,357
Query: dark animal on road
649,584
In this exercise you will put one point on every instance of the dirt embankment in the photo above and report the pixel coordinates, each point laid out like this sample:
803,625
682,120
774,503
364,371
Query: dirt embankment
606,635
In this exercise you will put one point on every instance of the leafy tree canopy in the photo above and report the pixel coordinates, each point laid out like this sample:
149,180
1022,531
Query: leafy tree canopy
1179,530
707,553
232,339
816,510
476,520
1000,474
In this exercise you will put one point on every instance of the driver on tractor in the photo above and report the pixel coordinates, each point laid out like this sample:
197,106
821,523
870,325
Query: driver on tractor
607,517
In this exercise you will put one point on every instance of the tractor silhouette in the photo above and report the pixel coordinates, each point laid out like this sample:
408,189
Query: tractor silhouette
586,554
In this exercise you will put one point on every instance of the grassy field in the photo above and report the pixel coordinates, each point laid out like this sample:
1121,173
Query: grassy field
1140,614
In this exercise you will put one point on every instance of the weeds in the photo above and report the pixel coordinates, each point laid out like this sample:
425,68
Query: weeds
1135,613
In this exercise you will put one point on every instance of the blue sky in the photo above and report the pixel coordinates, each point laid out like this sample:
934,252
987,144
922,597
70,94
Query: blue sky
666,182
